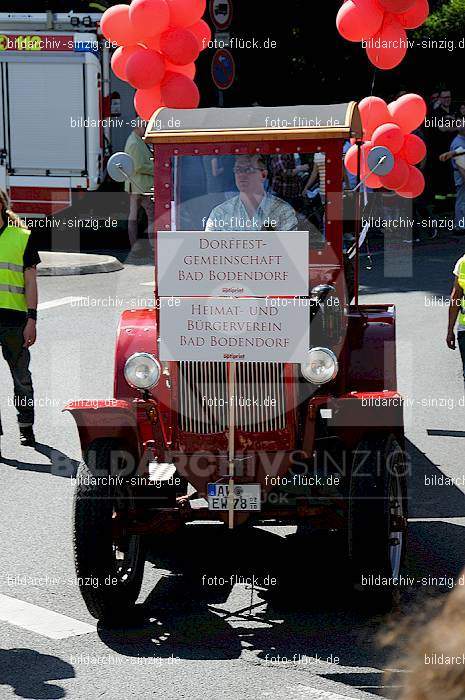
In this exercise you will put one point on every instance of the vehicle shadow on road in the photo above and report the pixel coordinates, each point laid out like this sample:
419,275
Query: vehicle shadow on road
293,605
29,673
429,498
60,463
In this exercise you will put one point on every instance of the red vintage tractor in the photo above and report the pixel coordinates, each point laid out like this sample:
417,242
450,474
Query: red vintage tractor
221,433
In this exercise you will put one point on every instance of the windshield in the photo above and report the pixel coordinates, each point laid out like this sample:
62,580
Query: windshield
251,193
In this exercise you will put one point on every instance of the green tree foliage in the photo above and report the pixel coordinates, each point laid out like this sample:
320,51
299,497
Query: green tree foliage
446,22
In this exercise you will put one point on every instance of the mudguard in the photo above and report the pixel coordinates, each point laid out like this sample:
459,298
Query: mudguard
111,419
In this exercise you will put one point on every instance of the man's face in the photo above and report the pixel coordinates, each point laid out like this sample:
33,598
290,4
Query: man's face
250,176
446,97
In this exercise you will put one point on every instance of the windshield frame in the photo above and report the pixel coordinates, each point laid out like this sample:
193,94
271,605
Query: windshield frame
330,253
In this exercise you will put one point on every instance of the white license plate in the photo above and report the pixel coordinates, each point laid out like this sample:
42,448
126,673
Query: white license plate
246,496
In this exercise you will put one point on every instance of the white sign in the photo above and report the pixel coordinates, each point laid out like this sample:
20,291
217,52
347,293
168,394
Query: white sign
221,12
235,330
236,263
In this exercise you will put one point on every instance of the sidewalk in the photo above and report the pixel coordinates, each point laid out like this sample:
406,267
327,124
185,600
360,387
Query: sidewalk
76,264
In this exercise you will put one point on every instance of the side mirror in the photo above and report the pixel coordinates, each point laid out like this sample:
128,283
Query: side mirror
380,160
120,167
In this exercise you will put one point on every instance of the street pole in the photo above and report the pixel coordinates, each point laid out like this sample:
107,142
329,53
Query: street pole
231,455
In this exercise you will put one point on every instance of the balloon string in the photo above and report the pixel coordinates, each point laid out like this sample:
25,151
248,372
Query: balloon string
373,81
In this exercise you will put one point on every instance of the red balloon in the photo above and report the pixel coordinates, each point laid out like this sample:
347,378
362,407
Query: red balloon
364,151
414,149
202,33
374,112
149,17
188,70
179,92
146,102
374,181
350,159
186,12
358,19
179,46
117,28
153,42
389,135
398,176
414,186
145,69
415,16
396,6
389,46
120,59
408,111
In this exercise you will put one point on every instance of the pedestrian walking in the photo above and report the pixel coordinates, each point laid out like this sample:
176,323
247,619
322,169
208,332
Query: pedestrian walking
457,155
18,312
439,134
142,181
457,310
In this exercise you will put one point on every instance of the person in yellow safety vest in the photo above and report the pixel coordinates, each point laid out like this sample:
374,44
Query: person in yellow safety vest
457,309
18,312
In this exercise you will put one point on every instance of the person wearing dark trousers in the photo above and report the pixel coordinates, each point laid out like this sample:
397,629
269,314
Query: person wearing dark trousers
457,311
18,312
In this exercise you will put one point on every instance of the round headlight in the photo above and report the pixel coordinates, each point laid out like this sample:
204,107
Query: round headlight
320,367
142,370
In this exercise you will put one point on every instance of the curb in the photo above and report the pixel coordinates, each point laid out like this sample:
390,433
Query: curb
61,264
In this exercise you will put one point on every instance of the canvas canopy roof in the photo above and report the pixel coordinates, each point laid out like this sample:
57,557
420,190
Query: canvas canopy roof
215,124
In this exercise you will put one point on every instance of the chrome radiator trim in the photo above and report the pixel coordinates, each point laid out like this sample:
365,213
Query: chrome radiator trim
203,397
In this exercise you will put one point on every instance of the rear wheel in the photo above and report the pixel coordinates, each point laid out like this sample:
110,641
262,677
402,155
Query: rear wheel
109,569
378,517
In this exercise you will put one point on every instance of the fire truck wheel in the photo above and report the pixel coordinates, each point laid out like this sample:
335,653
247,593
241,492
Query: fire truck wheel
377,524
109,570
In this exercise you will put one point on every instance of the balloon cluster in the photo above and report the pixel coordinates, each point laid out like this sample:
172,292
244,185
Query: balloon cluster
158,41
381,25
390,126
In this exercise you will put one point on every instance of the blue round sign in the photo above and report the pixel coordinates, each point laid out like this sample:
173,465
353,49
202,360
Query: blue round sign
223,69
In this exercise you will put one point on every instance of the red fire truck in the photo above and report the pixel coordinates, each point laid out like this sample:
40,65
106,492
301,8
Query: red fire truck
62,111
292,417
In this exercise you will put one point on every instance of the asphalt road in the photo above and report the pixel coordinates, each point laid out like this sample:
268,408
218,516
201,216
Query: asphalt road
302,638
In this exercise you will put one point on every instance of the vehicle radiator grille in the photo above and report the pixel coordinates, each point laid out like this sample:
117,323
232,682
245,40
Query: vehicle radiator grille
259,397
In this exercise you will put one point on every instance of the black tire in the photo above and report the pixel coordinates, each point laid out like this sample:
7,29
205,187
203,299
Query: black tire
109,584
377,523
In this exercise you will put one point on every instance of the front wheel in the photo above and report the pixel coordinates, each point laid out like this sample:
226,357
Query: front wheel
109,569
378,516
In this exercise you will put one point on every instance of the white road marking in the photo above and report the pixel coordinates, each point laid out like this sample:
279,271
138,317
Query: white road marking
307,692
147,284
58,302
459,520
40,620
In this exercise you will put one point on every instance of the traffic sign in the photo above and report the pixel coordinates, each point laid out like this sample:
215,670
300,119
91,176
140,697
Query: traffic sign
221,12
223,69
